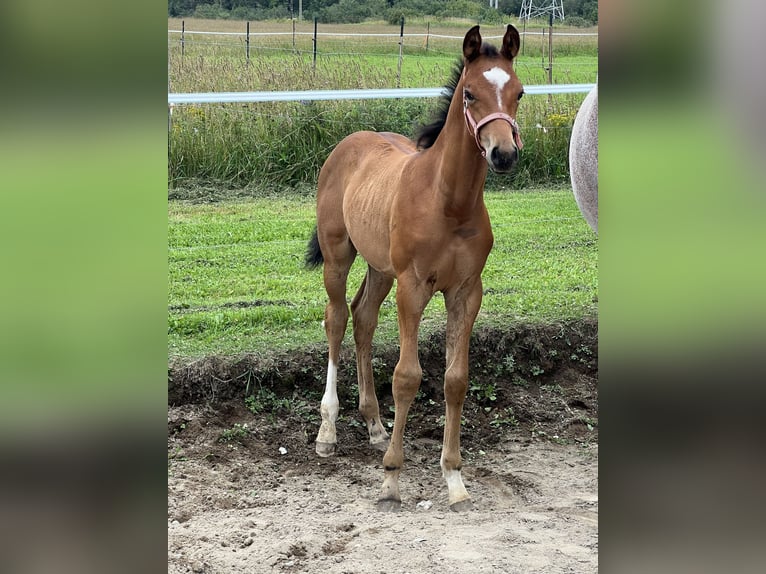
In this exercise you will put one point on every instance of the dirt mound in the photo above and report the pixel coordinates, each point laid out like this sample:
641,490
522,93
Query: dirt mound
247,493
505,364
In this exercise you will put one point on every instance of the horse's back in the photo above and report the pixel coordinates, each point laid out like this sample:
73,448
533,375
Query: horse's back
363,158
583,158
369,145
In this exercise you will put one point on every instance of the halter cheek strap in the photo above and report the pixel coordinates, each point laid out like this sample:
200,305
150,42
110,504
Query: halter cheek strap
474,127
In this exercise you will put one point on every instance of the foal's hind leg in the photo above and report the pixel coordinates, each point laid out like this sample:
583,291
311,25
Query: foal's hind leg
338,255
364,309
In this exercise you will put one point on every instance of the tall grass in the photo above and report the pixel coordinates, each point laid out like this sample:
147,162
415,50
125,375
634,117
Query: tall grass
278,144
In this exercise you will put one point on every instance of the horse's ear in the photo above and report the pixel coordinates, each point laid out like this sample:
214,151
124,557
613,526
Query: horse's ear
472,44
511,43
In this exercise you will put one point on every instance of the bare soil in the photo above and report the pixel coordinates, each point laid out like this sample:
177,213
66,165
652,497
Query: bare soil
247,493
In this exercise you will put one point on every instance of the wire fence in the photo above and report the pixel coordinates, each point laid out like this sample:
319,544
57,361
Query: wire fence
311,41
226,108
370,34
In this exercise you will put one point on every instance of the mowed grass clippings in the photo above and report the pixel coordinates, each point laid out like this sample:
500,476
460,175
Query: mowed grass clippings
237,281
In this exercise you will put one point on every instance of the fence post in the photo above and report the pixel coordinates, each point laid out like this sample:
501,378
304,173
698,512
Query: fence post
401,46
293,34
524,37
247,42
183,31
428,33
315,43
550,49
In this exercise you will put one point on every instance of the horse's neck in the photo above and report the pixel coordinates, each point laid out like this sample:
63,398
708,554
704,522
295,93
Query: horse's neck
460,168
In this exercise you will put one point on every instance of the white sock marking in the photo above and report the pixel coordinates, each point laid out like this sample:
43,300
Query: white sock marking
455,486
499,78
330,402
329,408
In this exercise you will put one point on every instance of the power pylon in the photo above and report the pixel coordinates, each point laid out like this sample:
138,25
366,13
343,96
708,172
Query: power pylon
541,9
549,9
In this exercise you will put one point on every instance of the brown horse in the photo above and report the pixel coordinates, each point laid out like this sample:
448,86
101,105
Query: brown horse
416,214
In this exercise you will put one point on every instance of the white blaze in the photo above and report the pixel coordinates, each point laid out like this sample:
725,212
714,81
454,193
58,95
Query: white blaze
498,77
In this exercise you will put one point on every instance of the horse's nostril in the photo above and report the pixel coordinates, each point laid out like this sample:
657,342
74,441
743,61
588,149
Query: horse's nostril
503,160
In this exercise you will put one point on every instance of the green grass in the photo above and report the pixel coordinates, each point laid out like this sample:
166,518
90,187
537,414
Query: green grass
286,143
237,282
218,63
336,39
216,69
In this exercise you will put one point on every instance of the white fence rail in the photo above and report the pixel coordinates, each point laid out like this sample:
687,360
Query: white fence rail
314,95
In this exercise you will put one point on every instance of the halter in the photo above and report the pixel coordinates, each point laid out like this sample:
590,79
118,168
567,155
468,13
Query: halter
474,127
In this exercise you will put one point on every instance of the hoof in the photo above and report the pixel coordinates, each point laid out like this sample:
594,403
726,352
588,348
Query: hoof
325,449
462,506
389,505
382,445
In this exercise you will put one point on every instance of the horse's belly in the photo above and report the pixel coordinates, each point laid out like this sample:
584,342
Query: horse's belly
365,213
379,160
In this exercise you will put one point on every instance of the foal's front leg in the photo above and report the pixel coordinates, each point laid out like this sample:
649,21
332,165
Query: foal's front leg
462,307
411,300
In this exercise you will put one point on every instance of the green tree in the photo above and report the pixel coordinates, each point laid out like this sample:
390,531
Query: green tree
340,11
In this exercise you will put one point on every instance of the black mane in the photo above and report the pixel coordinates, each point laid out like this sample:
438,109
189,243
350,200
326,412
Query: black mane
426,135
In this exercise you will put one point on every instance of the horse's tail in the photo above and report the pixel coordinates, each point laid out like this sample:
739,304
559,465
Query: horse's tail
314,257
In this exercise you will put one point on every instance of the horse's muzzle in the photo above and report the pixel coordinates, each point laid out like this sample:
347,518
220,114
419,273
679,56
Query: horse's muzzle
502,161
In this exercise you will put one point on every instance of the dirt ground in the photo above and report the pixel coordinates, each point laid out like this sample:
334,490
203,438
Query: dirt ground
246,492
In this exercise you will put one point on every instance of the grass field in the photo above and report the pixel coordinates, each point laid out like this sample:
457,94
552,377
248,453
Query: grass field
360,56
236,278
237,281
285,143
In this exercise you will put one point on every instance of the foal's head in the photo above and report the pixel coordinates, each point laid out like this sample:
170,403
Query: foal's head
491,94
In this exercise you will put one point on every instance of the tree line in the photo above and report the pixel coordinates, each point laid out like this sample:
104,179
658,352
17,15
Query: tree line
577,12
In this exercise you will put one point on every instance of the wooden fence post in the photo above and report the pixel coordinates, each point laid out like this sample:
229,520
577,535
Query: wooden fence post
247,42
524,37
401,46
315,43
550,50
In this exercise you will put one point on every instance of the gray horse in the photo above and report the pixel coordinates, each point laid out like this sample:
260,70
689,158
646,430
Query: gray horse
583,158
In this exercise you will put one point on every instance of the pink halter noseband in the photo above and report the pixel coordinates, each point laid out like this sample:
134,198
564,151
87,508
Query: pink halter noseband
474,127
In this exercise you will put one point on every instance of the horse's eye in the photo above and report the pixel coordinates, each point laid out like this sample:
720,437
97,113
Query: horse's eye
521,94
468,96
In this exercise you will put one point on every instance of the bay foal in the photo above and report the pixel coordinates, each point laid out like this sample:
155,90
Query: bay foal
416,214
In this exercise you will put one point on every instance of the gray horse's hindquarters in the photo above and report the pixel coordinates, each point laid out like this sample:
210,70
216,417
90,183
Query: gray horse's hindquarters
583,158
